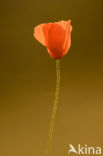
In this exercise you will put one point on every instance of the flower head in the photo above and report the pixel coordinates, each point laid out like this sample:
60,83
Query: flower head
55,36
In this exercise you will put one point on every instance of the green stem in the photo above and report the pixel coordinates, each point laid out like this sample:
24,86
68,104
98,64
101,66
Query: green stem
52,125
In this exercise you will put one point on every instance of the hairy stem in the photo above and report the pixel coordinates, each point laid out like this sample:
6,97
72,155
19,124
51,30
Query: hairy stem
52,125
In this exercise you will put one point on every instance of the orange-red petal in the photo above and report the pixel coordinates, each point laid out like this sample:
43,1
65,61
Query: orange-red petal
38,34
55,38
67,42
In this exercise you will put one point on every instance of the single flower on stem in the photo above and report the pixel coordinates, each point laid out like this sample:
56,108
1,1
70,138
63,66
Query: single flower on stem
57,39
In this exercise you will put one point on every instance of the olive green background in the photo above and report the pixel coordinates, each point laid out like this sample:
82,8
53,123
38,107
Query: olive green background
28,78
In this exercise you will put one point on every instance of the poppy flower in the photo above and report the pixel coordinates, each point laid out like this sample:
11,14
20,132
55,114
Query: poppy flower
55,36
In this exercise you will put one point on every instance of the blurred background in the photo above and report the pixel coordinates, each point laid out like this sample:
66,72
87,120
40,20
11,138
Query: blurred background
28,78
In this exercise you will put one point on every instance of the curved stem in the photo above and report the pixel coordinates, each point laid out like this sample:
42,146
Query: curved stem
52,125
